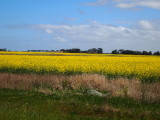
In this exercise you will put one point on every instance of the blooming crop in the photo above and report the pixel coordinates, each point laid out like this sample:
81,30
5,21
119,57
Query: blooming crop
142,67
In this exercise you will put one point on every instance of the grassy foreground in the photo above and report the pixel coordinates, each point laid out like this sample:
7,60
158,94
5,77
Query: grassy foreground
31,105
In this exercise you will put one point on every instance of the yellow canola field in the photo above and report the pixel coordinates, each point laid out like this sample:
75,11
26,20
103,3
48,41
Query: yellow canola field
142,67
47,53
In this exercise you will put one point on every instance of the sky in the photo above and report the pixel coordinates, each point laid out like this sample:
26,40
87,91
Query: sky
64,24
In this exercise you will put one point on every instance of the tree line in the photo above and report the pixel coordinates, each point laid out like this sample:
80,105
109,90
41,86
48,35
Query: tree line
95,51
131,52
77,50
72,50
3,49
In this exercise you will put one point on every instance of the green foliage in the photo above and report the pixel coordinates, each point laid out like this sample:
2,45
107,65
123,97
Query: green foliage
29,105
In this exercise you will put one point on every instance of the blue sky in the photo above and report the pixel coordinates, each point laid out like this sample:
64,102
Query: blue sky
84,24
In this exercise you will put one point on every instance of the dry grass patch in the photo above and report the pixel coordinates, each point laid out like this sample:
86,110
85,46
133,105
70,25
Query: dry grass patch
48,83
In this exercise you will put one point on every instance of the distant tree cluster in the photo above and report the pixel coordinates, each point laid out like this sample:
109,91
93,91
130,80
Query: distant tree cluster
72,50
40,51
131,52
156,53
77,50
3,49
94,50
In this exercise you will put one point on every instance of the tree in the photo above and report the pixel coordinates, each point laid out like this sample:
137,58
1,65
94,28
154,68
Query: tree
131,52
93,50
100,50
157,53
150,53
121,51
4,49
144,53
115,51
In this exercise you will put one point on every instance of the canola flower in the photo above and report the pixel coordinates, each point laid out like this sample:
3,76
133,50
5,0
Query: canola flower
130,66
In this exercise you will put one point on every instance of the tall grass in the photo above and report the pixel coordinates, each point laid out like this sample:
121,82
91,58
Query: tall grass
132,88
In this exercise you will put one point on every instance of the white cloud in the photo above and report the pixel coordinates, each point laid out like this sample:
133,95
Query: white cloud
145,35
146,24
49,31
125,4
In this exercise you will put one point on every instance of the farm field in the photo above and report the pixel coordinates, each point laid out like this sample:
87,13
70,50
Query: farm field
59,86
79,60
145,68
